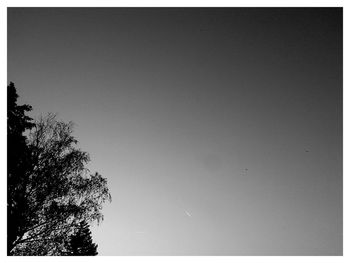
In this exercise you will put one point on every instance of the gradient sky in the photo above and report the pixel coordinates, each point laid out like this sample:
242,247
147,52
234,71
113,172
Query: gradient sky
219,130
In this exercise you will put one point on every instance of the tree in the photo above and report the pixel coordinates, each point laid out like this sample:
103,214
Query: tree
18,165
61,191
52,191
80,243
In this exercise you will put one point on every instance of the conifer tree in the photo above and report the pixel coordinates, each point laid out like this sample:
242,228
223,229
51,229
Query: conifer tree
18,165
80,243
50,190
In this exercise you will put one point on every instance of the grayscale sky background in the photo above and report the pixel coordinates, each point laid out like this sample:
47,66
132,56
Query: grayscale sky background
219,130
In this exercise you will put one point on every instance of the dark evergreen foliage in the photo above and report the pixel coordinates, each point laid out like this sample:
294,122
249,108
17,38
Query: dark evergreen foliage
18,165
50,190
80,243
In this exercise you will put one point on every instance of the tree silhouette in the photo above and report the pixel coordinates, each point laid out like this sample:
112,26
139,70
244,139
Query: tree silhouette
52,191
18,165
80,243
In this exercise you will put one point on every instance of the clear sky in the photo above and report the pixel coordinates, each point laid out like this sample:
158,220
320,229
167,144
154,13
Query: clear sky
219,130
